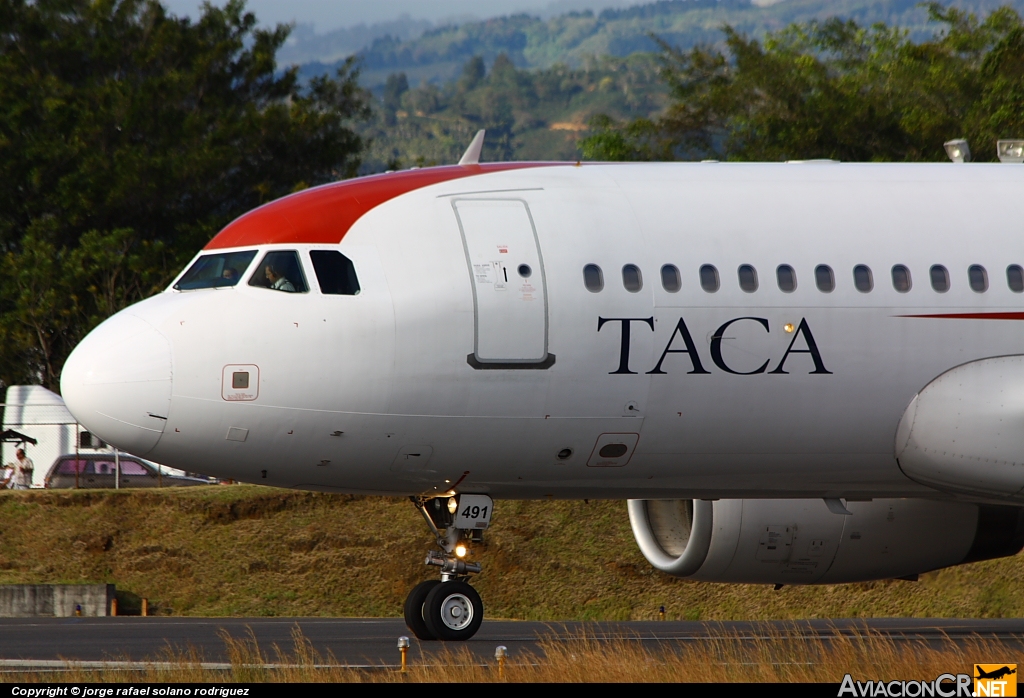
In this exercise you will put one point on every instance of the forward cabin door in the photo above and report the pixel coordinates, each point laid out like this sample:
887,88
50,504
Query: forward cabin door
509,285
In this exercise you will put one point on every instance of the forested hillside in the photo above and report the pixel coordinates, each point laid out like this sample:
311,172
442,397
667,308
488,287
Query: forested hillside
530,42
834,88
529,115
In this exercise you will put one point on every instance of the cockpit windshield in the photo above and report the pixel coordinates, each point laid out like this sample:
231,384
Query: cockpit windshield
215,271
280,271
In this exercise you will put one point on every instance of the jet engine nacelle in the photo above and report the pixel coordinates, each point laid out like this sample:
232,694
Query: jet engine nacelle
964,433
800,541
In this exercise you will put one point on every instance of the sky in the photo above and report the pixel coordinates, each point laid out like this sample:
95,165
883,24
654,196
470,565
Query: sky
326,15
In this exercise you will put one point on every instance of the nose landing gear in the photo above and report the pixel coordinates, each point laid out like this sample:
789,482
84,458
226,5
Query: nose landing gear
450,609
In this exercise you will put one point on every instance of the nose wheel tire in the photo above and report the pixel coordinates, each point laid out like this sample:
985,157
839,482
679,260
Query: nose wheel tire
414,609
453,611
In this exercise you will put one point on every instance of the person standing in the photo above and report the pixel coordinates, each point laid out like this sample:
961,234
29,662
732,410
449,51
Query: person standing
23,470
7,477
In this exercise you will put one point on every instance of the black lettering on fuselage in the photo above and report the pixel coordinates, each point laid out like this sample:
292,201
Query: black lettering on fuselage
716,347
624,347
812,349
803,329
690,350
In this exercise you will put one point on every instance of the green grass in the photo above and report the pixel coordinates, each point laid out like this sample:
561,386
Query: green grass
254,551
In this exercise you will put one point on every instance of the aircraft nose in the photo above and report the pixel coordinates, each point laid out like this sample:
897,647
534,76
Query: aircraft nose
117,383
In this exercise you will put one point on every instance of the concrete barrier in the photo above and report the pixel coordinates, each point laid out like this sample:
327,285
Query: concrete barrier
27,600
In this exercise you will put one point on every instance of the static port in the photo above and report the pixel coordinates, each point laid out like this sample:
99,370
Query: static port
565,454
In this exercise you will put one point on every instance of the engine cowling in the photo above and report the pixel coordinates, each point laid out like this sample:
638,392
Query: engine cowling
964,432
800,541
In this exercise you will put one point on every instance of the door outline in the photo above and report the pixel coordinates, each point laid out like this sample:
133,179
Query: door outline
549,359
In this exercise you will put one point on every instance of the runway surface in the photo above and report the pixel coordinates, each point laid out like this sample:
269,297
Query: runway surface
41,642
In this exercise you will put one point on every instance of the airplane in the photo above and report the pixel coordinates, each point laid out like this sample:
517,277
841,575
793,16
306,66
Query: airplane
995,674
796,373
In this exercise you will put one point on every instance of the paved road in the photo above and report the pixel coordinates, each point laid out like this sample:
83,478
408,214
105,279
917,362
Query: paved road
372,641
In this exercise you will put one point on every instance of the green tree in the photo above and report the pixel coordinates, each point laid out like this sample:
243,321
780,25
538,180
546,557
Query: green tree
472,73
834,89
128,137
395,86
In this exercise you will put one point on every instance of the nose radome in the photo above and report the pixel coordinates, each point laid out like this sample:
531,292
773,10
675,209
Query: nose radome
117,383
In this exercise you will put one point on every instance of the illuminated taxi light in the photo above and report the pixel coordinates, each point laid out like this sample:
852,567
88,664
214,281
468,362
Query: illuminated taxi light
461,550
453,505
1010,150
958,150
788,327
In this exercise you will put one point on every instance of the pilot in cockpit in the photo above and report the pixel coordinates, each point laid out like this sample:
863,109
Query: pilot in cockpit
277,281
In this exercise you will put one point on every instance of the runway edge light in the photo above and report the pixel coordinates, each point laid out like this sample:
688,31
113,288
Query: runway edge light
1010,150
958,150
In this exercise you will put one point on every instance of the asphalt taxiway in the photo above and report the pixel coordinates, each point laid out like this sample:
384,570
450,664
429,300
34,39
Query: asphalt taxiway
368,642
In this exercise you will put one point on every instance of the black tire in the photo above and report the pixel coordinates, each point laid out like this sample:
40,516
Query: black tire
453,611
414,609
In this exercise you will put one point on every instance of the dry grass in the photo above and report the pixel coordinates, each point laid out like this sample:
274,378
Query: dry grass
256,551
776,658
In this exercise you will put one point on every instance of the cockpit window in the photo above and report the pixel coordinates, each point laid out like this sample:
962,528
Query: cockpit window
335,273
215,271
280,271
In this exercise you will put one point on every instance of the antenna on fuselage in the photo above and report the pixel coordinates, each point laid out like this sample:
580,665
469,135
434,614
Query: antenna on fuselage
472,154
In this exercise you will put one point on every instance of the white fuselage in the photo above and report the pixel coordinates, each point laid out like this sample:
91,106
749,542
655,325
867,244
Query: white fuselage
444,371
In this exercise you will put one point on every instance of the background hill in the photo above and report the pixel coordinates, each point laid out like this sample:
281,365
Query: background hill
536,84
245,550
438,54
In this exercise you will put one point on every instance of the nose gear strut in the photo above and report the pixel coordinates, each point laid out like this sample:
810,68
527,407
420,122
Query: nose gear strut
449,609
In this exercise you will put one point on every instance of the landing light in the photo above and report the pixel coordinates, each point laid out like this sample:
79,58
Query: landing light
1010,150
958,150
453,505
461,550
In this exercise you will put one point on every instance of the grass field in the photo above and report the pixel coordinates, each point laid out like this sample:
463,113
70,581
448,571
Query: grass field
774,658
253,551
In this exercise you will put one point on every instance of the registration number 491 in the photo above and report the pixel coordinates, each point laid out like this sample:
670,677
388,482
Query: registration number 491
474,511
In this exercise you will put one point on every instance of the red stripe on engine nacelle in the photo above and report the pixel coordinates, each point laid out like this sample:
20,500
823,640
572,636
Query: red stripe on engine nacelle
972,316
324,214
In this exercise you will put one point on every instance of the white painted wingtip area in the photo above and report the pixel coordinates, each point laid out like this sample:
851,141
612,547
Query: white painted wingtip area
964,433
476,146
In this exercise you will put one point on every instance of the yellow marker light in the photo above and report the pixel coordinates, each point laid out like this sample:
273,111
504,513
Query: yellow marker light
788,327
453,505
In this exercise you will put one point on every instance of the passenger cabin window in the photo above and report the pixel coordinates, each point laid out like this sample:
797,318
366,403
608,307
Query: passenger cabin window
862,279
977,277
1015,278
334,272
280,271
709,278
631,278
824,279
940,278
786,276
215,271
901,278
671,279
593,278
748,278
